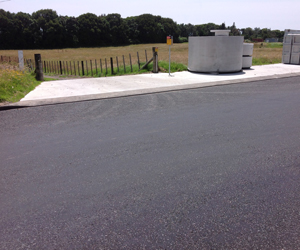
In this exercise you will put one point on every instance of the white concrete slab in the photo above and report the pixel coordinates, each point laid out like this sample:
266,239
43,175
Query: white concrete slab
106,85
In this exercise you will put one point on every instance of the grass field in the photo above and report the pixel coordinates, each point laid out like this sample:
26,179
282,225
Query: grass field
267,53
263,54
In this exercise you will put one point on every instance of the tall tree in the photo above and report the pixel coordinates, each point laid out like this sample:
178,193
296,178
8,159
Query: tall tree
8,30
132,30
44,20
24,25
148,28
169,28
248,33
117,29
89,32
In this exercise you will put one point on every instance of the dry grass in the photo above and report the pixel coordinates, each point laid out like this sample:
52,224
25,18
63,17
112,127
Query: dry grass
272,55
8,66
179,53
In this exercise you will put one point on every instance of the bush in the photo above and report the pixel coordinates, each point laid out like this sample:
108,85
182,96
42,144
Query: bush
182,39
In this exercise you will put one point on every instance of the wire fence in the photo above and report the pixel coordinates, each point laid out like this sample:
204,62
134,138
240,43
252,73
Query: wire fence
95,67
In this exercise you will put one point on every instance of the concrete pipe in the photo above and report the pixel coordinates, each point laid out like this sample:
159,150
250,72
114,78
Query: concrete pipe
215,54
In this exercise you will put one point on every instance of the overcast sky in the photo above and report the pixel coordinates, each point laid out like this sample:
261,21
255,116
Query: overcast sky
272,14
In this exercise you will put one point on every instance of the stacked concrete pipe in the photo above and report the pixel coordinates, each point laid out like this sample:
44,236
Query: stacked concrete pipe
217,54
247,55
291,47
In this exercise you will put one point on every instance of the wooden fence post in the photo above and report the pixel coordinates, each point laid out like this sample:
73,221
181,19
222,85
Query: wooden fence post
130,61
64,67
67,67
91,67
96,66
146,55
111,66
38,67
101,65
60,68
106,65
138,59
82,67
117,63
124,64
155,60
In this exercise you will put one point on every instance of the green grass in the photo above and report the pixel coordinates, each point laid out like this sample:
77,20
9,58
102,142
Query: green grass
265,60
163,67
273,45
14,84
121,71
49,79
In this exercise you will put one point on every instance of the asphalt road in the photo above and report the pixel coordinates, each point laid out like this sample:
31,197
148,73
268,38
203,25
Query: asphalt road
210,168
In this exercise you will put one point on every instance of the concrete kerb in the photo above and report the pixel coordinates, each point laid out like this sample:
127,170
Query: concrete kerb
61,100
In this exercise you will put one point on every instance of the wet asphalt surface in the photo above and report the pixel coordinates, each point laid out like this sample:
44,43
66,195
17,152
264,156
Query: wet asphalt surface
210,168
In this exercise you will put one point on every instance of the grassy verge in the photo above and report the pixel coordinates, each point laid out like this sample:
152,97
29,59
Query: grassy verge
14,84
265,61
175,67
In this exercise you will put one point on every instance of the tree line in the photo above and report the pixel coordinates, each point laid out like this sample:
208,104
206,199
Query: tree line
45,29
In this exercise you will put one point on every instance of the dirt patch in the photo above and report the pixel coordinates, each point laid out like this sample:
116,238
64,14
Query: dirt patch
4,103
